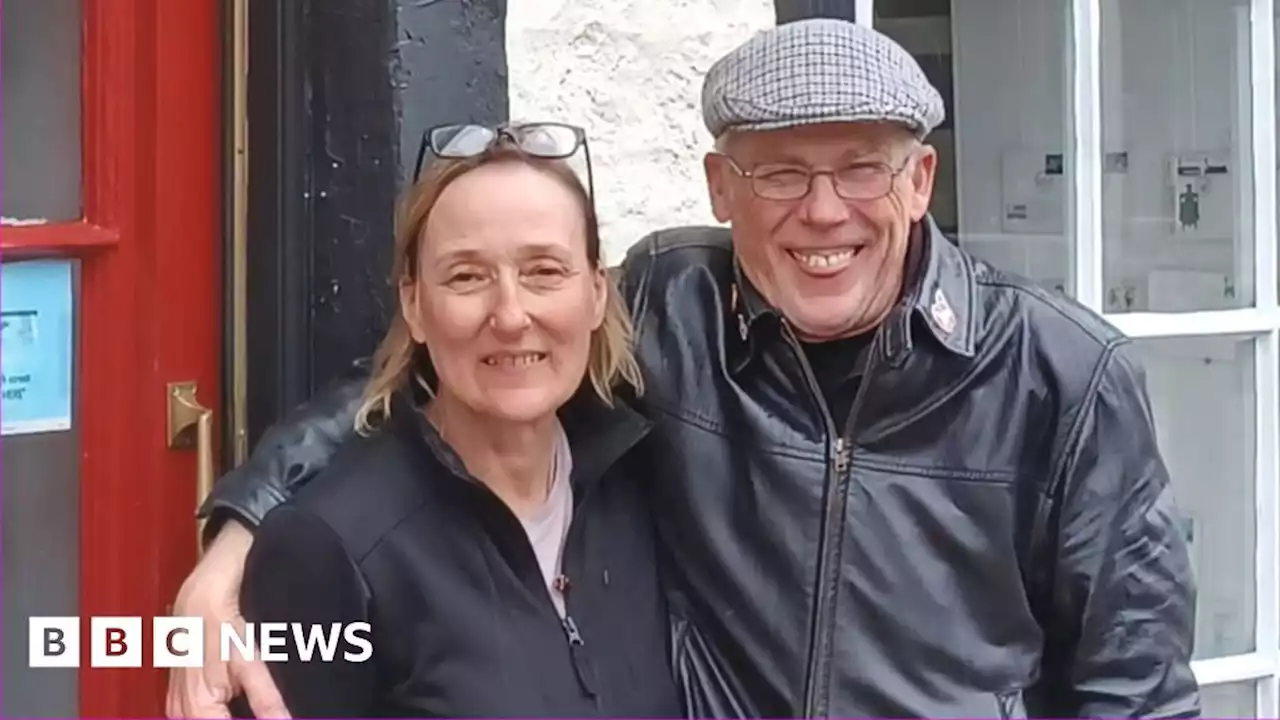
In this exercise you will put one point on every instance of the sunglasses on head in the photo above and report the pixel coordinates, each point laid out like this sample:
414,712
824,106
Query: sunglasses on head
549,140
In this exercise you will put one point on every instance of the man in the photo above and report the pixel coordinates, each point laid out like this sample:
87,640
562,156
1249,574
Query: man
895,481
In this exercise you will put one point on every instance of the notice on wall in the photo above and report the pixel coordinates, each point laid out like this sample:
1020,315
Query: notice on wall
36,346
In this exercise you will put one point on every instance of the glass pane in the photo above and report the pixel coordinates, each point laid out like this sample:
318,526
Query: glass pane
1202,393
40,123
1229,700
40,522
1177,184
1003,66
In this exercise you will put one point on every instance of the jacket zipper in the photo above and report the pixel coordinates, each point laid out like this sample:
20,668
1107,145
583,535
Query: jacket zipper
817,665
577,645
817,699
586,678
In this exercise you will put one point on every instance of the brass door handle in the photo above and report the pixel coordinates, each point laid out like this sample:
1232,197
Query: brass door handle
191,424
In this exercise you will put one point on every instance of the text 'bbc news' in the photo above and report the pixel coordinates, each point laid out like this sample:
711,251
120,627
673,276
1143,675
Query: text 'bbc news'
181,642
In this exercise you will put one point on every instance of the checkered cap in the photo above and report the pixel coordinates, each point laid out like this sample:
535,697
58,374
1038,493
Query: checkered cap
817,71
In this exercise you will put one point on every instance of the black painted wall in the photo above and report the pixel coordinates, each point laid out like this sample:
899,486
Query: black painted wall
340,92
353,150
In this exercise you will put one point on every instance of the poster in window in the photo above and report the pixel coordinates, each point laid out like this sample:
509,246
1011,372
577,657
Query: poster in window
36,345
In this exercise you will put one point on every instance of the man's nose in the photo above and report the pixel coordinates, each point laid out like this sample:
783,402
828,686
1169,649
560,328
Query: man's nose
822,206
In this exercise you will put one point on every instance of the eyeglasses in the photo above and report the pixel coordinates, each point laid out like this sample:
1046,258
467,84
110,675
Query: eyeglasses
861,181
549,140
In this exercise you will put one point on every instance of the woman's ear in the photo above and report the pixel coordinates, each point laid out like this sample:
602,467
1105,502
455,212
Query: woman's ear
411,309
603,284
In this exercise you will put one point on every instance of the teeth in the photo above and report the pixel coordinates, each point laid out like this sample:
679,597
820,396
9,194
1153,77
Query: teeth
823,259
521,360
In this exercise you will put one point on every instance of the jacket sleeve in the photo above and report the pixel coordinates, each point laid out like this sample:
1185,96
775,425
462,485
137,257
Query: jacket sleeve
289,454
299,574
1122,624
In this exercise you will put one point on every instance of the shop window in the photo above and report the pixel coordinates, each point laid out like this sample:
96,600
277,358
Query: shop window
1230,700
1177,196
1003,189
1204,400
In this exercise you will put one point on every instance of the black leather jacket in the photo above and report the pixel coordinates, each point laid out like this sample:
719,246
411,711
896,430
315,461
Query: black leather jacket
991,533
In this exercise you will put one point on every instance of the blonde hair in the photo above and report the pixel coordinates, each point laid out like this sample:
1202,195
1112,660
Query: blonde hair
395,364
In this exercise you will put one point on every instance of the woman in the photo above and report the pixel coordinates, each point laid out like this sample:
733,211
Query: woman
484,524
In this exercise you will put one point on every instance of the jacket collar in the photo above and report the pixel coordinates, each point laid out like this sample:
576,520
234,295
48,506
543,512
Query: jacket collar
599,435
939,292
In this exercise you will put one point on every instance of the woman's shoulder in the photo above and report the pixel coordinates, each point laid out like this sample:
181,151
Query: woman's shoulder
368,487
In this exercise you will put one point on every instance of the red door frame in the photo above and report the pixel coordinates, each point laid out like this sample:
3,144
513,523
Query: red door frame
150,310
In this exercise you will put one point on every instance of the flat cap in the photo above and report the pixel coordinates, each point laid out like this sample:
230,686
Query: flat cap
818,71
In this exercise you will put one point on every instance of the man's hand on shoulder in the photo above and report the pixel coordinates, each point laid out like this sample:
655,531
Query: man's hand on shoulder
212,592
289,454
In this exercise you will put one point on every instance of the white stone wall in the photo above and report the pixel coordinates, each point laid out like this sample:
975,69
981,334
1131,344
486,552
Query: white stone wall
630,72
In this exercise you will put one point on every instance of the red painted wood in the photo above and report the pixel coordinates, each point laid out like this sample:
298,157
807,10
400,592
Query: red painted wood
113,425
53,239
151,311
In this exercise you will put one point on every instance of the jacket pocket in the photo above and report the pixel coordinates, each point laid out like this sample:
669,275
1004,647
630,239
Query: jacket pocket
1011,705
679,644
706,689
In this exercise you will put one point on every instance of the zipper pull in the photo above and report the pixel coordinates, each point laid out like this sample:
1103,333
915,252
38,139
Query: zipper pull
581,665
571,631
842,455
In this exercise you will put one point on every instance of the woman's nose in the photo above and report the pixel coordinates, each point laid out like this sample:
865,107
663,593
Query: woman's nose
509,313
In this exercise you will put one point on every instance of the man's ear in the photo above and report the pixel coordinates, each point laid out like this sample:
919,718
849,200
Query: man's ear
923,174
715,167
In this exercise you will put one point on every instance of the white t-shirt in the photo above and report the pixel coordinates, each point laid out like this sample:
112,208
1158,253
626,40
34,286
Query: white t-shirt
548,526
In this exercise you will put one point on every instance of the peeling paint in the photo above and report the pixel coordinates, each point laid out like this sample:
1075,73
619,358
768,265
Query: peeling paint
448,64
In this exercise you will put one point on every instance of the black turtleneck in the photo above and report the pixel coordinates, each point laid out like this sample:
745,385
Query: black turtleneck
837,366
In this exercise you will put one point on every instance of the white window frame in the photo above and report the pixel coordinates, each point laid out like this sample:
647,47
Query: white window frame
1261,322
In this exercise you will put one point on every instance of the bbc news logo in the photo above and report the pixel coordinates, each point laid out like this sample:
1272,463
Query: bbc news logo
117,642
